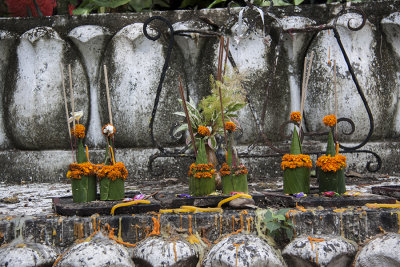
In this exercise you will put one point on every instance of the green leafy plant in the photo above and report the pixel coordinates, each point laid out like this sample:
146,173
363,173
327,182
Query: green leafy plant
276,222
208,111
87,6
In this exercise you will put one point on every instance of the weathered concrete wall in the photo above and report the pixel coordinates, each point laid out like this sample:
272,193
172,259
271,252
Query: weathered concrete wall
32,115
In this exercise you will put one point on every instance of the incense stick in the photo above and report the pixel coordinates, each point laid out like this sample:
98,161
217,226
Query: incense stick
66,112
71,89
220,58
226,58
304,93
65,101
181,92
108,95
336,100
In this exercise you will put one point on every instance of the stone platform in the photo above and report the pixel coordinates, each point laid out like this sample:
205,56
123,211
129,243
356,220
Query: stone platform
233,237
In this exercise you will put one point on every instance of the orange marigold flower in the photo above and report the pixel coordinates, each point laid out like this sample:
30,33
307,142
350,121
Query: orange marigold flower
295,161
203,131
203,175
225,170
191,169
78,131
201,170
113,172
77,170
108,130
295,116
330,120
230,126
241,169
331,164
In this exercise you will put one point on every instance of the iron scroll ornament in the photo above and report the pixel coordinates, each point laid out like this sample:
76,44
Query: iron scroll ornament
163,72
333,27
278,153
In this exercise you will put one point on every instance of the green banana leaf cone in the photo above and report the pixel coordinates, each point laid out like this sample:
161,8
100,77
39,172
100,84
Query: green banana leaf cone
201,186
240,183
331,181
298,179
84,189
227,184
112,189
192,190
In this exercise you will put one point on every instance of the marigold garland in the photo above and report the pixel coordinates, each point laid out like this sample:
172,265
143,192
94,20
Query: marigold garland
295,116
328,163
108,130
225,170
201,170
296,161
203,131
241,170
78,131
113,172
330,120
77,170
230,126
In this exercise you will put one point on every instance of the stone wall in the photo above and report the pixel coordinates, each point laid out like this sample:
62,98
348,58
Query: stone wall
34,139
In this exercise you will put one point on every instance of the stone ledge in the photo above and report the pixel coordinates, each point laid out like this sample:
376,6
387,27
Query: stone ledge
357,224
51,165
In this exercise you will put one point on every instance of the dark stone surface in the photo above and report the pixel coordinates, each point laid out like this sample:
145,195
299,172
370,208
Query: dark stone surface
357,224
314,200
66,207
389,190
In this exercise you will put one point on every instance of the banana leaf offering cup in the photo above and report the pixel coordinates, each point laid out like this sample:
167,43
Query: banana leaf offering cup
296,166
82,173
331,165
233,174
201,173
111,180
111,175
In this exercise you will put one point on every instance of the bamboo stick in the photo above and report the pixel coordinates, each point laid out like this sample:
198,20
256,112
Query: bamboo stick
220,58
108,95
66,112
304,93
181,92
226,58
336,101
65,101
219,78
71,89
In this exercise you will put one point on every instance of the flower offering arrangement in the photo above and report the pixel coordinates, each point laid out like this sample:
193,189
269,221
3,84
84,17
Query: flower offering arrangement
201,173
331,165
82,173
296,166
233,174
112,174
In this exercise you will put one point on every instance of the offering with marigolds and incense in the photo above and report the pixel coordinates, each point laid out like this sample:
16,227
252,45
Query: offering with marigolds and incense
233,174
296,166
331,165
112,175
201,173
82,173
